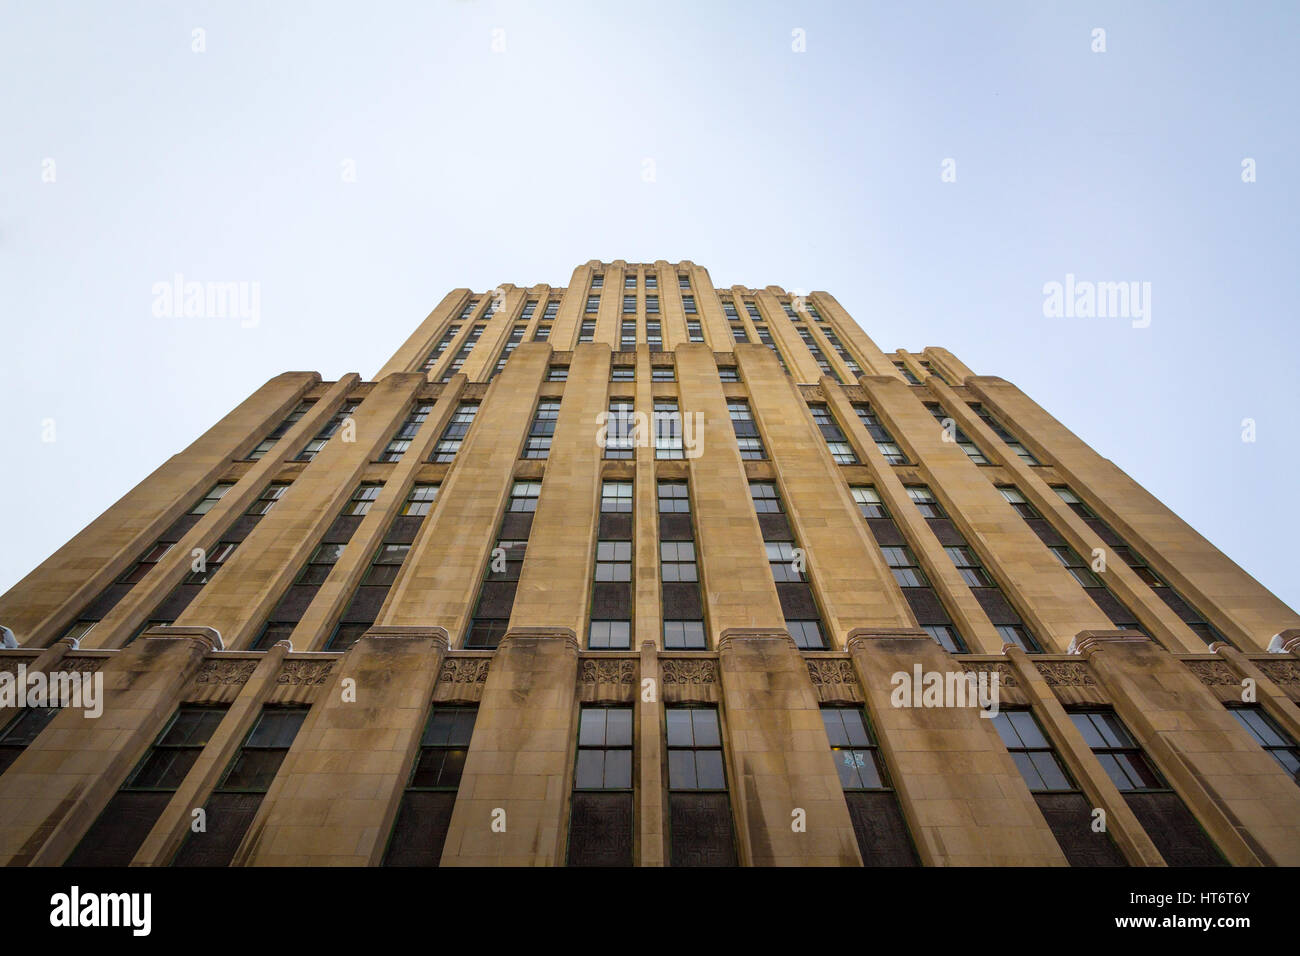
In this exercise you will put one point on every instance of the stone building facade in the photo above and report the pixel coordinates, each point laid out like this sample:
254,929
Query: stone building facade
640,571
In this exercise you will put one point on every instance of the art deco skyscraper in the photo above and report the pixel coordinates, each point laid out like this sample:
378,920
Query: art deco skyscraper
640,571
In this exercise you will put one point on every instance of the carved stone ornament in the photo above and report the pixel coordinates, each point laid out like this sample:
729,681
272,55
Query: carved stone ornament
831,670
688,671
1213,672
1065,673
609,671
1281,672
1005,675
304,672
464,670
226,672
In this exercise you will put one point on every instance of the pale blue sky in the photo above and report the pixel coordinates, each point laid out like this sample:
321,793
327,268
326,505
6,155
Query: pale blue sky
815,170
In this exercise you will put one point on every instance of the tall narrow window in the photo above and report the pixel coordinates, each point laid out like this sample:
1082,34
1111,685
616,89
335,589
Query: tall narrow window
1004,618
454,434
668,430
815,351
401,441
1011,441
19,733
516,336
1175,601
878,823
538,443
1267,734
926,605
688,304
611,599
432,359
628,336
765,337
505,563
586,332
462,354
424,815
1065,808
653,336
694,331
620,427
600,819
121,828
840,350
747,437
788,564
215,494
267,443
880,435
1172,828
313,447
907,373
230,809
836,442
954,434
699,808
683,608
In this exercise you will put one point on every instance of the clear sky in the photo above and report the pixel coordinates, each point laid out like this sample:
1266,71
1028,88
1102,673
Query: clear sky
814,170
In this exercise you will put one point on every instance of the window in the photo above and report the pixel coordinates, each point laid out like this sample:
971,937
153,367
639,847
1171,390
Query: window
868,501
552,310
663,373
432,359
969,567
600,823
946,636
628,336
807,634
1018,635
929,368
1268,735
1074,501
455,432
893,455
683,281
629,303
524,497
424,815
145,564
653,336
694,749
1117,751
688,304
1077,567
903,563
620,427
586,332
694,332
597,280
613,560
385,564
363,498
320,564
907,373
652,304
836,442
728,373
19,733
604,749
233,803
782,559
729,310
752,309
279,431
677,561
843,353
623,373
1011,441
1031,751
314,446
1018,502
815,351
593,304
878,823
739,334
458,362
557,373
747,437
529,308
684,635
215,494
212,562
765,337
765,498
953,433
543,334
857,756
470,306
629,280
925,502
668,430
402,440
674,498
132,812
516,336
609,635
616,497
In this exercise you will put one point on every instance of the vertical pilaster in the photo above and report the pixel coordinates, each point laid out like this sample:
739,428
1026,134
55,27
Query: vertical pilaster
649,766
962,797
335,798
410,357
